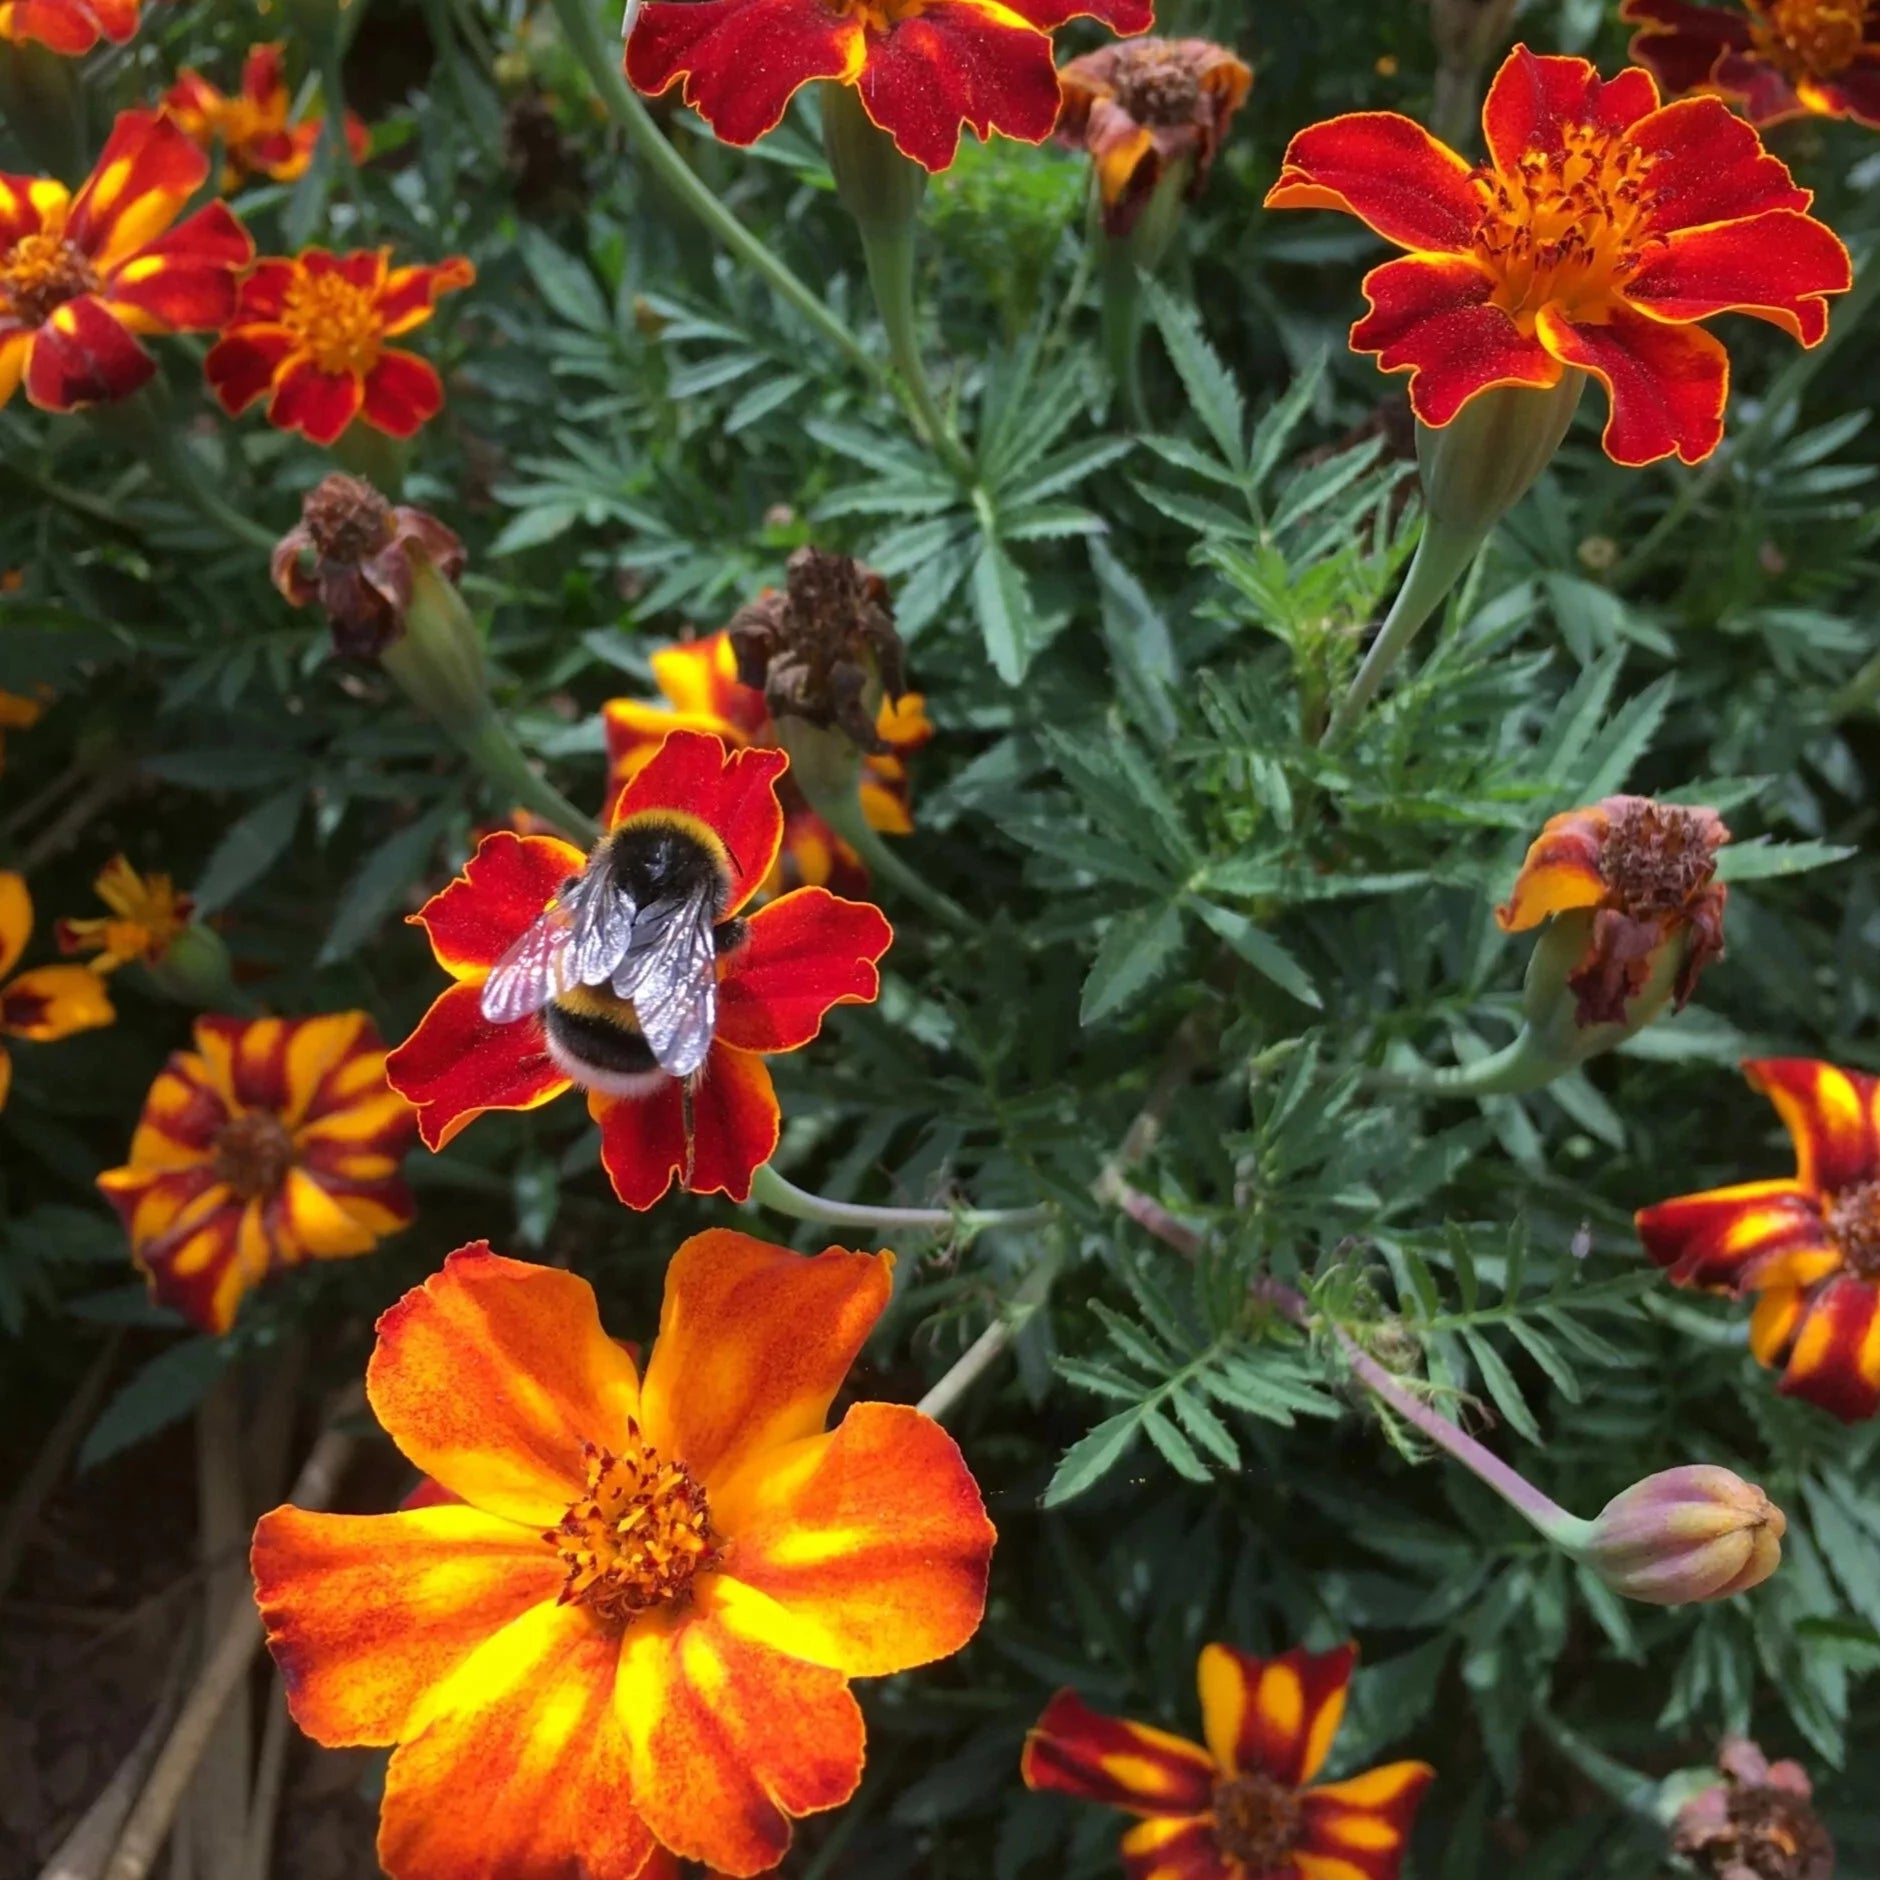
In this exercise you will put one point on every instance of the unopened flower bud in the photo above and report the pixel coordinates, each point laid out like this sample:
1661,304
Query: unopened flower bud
1759,1823
1693,1533
1485,459
194,970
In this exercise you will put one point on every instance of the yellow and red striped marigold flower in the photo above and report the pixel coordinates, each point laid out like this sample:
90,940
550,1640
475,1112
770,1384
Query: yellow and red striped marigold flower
82,276
1145,108
274,1141
1245,1806
254,125
50,1001
922,68
72,27
1777,59
1603,227
699,680
1647,873
794,959
311,335
147,914
1808,1245
636,1618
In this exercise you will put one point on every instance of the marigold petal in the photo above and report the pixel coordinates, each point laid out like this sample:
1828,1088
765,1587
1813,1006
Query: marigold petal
1178,1848
1762,91
1431,317
1533,98
802,955
16,918
1855,93
1832,1116
1707,165
1772,1325
1079,1751
6,1075
728,1739
1680,42
402,394
735,1125
1777,267
319,405
84,355
1667,385
1835,1361
16,349
69,27
1727,1237
241,366
1561,870
184,281
1274,1715
264,291
701,677
1364,1822
54,1002
1389,172
366,1614
146,172
475,919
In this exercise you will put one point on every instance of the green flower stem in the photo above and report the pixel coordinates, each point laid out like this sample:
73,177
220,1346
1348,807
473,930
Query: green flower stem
771,1190
985,1350
1523,1064
487,742
154,435
1637,1794
601,60
1120,312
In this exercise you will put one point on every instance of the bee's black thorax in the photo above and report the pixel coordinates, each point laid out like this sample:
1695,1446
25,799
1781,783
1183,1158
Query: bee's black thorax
656,860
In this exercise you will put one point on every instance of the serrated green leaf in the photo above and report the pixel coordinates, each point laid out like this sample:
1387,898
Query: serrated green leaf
1006,619
1260,950
1175,1449
1092,1457
1135,951
169,1386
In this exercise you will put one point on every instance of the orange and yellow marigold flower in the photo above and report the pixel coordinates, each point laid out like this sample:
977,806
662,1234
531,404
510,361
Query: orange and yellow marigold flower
147,914
311,335
68,26
1602,229
1777,59
1808,1245
273,1142
82,276
922,69
635,1619
1246,1805
700,684
779,971
254,125
50,1001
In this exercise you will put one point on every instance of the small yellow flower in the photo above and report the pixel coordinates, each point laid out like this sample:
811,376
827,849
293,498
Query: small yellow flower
49,1002
146,918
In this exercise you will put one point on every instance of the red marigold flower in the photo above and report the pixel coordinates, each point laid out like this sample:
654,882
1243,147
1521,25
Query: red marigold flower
1647,873
49,1002
1146,108
72,27
699,680
81,276
1603,227
922,68
1779,58
1809,1245
276,1140
147,914
779,971
254,125
639,1619
311,333
1244,1805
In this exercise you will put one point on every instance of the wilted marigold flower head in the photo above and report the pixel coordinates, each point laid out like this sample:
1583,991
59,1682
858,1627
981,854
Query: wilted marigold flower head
253,125
1146,108
71,27
146,918
50,1001
1759,1823
1603,227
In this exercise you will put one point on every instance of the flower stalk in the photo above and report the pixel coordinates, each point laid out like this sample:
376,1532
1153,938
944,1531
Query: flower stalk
773,1191
142,422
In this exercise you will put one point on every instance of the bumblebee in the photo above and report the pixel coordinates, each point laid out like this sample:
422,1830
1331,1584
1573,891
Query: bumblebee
623,962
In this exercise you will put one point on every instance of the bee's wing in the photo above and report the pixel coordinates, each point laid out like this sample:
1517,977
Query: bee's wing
532,972
600,916
670,974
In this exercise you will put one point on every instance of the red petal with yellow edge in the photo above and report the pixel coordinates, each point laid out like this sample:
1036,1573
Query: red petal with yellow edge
754,1342
729,1740
204,1264
367,1614
1777,267
1854,94
26,205
520,1768
1358,1830
868,1548
402,394
409,296
146,172
1729,1236
319,405
1176,1848
1532,100
1276,1716
742,60
959,62
1835,1361
1121,16
1708,166
1832,1116
474,920
1079,1751
1680,42
16,918
492,1375
735,1125
54,1002
184,281
1667,384
84,355
1390,173
15,351
734,793
1430,316
457,1064
801,956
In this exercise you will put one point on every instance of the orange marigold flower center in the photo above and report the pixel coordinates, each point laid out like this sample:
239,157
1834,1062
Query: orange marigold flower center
1568,225
637,1537
1156,82
253,1153
336,321
1853,1218
41,272
1658,856
1256,1821
1809,38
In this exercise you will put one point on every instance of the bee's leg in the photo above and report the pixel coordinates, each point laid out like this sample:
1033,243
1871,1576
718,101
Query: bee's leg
685,1111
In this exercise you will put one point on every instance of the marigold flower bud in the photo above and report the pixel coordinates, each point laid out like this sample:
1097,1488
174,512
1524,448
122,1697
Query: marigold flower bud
1485,459
1687,1534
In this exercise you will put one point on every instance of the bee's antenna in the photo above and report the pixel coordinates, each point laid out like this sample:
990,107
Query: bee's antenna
685,1111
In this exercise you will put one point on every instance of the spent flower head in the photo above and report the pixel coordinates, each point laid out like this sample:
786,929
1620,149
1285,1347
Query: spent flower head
1758,1823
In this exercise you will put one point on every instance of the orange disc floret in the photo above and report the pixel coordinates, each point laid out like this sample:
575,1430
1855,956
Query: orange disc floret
923,69
82,276
49,1002
311,335
1246,1802
1602,229
1778,59
255,125
147,914
1808,1246
632,1623
779,971
273,1142
71,27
